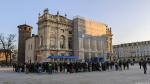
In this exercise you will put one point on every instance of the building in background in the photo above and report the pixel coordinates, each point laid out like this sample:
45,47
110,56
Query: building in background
61,39
133,51
3,54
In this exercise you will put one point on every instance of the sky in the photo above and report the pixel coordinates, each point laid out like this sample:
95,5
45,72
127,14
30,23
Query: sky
129,19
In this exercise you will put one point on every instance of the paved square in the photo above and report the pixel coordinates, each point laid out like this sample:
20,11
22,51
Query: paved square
132,76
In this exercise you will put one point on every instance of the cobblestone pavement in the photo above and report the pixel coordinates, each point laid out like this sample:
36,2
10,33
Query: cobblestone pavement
132,76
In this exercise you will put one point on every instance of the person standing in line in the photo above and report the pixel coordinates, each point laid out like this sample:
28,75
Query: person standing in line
124,64
26,68
127,64
120,65
116,66
50,68
61,67
89,66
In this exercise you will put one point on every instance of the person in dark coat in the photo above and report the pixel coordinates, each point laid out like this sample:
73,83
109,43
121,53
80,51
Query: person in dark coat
61,67
68,67
144,64
124,64
116,66
140,63
111,65
120,65
127,63
104,66
89,66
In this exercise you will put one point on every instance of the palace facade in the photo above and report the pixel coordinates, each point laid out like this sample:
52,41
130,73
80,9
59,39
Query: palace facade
59,36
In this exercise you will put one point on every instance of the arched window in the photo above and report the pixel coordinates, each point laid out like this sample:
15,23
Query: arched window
62,41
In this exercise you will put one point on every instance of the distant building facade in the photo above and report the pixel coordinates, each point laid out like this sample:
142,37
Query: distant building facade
132,51
60,36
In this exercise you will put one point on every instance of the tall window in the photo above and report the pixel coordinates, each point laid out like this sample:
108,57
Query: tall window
41,41
62,41
70,43
52,42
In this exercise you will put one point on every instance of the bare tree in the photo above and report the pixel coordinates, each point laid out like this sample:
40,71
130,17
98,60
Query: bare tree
7,44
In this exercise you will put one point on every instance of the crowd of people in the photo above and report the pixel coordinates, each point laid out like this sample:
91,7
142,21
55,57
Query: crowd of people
70,67
74,67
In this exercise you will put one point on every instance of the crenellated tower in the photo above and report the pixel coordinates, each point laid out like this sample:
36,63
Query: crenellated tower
24,33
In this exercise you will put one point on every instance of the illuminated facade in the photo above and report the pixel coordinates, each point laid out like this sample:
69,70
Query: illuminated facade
60,36
3,55
91,39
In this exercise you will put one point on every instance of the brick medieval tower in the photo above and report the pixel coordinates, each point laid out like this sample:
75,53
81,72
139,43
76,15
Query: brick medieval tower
24,33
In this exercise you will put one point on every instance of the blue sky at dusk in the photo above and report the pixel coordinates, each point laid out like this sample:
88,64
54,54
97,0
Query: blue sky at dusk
129,19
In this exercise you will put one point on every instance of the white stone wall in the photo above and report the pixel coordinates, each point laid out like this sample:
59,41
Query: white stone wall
30,50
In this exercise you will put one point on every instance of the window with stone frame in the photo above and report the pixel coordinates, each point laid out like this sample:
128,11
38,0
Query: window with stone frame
52,42
62,41
70,43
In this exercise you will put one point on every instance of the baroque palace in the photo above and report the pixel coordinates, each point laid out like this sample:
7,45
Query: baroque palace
61,39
